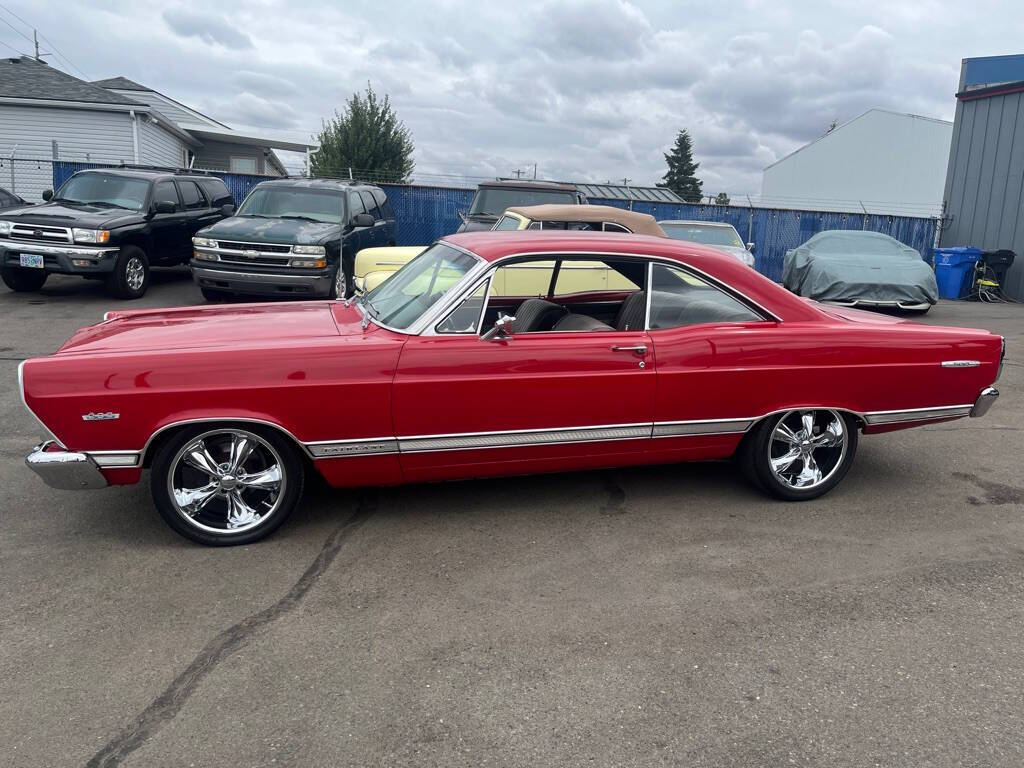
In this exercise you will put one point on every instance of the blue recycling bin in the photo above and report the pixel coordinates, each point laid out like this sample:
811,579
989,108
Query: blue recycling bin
953,268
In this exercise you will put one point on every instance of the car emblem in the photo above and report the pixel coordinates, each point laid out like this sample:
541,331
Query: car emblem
37,233
108,416
251,254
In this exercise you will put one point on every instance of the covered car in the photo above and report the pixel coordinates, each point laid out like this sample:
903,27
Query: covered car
855,268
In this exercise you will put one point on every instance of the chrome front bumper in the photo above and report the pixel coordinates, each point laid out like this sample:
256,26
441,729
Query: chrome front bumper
66,470
984,402
48,249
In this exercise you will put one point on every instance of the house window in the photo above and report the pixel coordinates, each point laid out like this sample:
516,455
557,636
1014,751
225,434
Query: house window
243,164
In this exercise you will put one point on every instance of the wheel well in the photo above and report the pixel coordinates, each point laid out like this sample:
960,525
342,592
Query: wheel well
162,436
857,418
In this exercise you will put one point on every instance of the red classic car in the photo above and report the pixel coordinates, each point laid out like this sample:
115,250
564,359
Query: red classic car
457,368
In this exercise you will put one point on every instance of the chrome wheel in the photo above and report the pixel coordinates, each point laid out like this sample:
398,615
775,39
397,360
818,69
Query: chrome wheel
226,481
134,273
806,447
340,284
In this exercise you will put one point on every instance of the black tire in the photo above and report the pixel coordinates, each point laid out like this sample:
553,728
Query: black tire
209,524
23,279
130,277
340,286
211,294
756,452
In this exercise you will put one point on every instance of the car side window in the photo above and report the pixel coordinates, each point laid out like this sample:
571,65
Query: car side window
523,279
370,204
465,318
164,191
355,205
612,227
588,276
191,197
679,298
217,191
385,205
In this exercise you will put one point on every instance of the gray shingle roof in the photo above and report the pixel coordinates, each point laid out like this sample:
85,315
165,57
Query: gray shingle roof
120,84
26,78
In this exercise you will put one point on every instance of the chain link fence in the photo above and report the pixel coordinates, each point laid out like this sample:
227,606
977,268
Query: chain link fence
425,213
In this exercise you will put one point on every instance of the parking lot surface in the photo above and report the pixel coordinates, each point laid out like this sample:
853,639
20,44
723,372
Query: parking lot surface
654,616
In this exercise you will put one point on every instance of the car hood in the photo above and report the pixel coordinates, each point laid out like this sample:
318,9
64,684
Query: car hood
62,215
254,229
212,326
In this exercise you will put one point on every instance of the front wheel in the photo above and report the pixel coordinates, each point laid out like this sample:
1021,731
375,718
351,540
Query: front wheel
23,279
130,277
801,454
225,485
339,288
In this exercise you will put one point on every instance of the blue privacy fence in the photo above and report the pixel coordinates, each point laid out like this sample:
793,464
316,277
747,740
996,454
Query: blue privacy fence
427,213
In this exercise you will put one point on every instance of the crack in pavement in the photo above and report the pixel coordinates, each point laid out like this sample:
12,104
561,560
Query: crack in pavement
166,706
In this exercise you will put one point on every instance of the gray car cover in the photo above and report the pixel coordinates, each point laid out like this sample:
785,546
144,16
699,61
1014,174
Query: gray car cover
849,265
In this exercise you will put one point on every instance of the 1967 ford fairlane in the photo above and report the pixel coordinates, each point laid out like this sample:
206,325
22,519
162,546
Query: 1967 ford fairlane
671,352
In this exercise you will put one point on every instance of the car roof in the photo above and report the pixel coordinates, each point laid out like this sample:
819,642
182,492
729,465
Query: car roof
151,174
639,223
328,184
493,245
691,222
529,184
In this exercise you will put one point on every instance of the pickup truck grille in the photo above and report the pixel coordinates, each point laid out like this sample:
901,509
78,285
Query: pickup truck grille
261,247
41,233
230,258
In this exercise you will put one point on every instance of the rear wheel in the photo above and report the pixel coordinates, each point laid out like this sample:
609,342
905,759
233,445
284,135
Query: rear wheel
801,454
224,485
23,279
130,277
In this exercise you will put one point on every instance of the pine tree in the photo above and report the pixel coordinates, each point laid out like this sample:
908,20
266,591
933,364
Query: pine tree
367,137
681,175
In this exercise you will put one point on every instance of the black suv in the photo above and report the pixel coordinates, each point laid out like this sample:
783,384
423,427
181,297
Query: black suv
110,225
493,197
293,237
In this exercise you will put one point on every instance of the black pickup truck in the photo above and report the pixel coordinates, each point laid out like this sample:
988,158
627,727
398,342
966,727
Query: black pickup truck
110,225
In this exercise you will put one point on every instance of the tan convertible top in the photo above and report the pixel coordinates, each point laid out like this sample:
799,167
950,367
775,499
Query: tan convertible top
638,223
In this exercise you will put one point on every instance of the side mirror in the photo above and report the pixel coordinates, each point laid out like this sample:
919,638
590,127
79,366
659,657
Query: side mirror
164,206
228,209
750,247
363,220
47,194
502,329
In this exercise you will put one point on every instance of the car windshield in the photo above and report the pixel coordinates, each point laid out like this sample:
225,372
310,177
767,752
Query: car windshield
104,189
706,235
415,288
294,202
492,201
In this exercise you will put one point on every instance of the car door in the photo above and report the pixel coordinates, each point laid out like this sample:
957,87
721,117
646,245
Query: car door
537,401
167,230
376,235
198,212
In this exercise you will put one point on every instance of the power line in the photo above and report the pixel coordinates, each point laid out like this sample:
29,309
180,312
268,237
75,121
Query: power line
60,55
8,45
5,21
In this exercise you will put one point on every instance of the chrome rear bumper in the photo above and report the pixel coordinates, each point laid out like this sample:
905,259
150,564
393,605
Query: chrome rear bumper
66,470
984,402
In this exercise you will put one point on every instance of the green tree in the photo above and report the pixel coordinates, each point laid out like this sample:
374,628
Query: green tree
367,137
721,199
681,175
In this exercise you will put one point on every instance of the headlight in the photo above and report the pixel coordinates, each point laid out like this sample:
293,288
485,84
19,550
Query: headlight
204,242
308,263
205,256
98,236
5,228
310,250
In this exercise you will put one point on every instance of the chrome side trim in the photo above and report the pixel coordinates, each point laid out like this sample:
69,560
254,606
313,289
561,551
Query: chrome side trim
523,438
689,428
960,363
918,414
330,449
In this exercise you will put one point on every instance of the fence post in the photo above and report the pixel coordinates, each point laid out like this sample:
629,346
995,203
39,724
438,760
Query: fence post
864,225
750,220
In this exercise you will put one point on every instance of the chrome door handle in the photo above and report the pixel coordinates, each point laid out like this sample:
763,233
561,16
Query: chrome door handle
640,349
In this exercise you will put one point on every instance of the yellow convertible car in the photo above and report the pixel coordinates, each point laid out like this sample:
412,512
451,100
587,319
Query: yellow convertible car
375,265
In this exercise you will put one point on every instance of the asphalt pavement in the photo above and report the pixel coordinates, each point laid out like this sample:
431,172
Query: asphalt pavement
643,617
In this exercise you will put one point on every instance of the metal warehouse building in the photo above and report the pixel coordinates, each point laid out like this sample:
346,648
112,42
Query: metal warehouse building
984,195
880,161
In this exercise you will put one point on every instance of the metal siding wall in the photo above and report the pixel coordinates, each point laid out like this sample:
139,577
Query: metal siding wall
425,213
985,184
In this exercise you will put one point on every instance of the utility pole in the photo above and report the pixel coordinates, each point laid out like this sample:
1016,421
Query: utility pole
625,183
518,172
534,171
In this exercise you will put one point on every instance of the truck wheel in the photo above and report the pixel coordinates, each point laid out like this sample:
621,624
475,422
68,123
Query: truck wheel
130,277
22,279
800,455
340,285
226,484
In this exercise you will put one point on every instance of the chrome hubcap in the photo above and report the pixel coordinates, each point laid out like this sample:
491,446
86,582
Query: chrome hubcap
134,273
807,447
339,283
226,481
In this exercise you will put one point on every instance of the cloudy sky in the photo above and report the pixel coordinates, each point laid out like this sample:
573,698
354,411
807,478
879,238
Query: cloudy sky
587,89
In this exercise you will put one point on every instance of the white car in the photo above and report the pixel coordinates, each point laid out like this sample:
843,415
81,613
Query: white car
724,237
